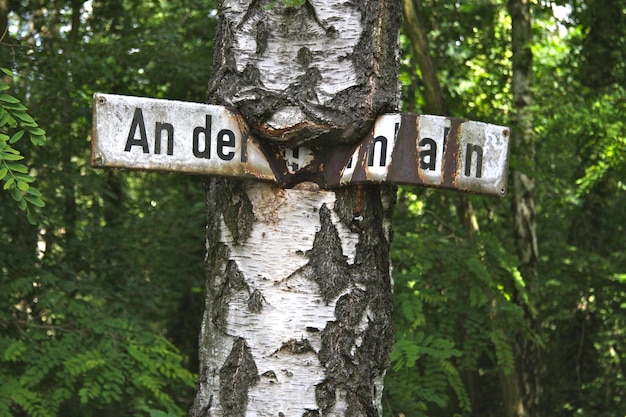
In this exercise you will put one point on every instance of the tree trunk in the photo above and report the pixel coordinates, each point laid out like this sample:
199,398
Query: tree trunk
434,100
523,386
318,73
4,20
298,318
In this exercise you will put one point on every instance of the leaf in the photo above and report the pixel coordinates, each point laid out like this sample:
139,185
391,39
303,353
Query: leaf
16,167
11,157
24,117
37,140
8,99
24,177
37,131
17,136
15,107
16,194
31,216
9,183
22,186
34,192
4,118
35,201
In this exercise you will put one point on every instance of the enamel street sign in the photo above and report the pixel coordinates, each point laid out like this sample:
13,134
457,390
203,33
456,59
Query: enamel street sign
163,135
402,148
431,151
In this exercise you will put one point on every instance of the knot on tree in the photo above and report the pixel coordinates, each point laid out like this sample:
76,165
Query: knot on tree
318,73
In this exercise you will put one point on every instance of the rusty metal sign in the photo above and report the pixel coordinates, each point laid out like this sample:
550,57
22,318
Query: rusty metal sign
432,151
164,135
403,148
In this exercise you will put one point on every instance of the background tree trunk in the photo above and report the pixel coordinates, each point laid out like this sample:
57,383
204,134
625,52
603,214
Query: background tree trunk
298,318
434,100
523,388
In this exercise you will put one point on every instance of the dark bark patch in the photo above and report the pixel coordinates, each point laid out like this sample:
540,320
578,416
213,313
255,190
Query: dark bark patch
328,264
255,302
297,347
229,198
262,35
238,374
325,396
355,347
232,280
304,57
361,403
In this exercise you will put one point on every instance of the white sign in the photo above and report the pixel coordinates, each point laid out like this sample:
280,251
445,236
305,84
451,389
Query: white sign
432,151
164,135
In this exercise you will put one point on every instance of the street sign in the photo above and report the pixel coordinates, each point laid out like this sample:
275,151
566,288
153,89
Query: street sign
431,151
164,135
402,148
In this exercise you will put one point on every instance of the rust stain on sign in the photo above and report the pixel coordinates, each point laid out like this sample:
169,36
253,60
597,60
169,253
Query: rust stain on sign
431,151
402,148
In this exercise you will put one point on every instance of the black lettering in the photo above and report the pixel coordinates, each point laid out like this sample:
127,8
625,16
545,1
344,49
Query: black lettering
206,132
469,152
244,147
221,143
428,157
143,139
383,151
158,131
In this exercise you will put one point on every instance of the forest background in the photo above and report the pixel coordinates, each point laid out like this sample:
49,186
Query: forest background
101,272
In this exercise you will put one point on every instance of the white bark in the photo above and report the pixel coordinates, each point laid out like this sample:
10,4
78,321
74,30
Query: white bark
293,33
281,311
318,73
298,318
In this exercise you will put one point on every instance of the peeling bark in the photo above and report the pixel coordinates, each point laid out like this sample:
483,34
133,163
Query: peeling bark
298,316
337,61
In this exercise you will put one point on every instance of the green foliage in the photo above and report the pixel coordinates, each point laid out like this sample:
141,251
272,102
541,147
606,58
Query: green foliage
287,3
467,288
97,317
15,122
111,366
456,317
294,3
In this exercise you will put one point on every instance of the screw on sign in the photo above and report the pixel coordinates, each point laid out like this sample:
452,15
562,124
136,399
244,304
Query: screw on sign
402,148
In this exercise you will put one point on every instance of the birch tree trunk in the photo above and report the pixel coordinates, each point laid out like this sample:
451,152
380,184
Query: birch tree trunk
317,73
298,318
